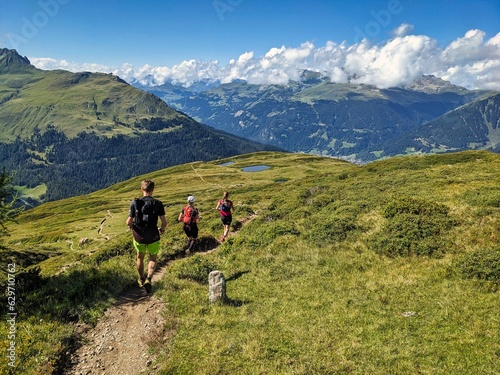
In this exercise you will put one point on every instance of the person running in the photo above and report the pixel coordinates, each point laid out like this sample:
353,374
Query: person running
224,206
143,222
190,216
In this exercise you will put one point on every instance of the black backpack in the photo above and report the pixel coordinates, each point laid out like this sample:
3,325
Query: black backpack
145,212
226,206
145,228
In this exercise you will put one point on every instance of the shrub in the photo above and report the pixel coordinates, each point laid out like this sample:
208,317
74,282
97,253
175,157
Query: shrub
266,233
414,206
331,228
483,197
483,265
413,227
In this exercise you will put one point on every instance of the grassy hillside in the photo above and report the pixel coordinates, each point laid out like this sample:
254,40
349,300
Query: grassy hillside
74,102
391,267
64,134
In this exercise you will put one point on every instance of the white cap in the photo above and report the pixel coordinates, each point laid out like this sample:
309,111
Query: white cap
191,199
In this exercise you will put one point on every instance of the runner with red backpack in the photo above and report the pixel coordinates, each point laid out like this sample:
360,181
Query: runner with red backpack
190,216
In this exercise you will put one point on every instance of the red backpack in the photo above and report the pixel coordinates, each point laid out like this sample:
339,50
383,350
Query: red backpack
190,214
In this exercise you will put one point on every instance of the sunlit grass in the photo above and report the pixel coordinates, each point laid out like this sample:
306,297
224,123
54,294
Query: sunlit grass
312,286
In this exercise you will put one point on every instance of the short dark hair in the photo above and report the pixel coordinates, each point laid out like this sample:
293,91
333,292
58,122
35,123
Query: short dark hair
148,186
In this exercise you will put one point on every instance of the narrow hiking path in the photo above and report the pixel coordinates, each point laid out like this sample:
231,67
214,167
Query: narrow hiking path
119,343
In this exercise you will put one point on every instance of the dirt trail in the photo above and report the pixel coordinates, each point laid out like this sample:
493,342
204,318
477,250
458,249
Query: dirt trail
118,344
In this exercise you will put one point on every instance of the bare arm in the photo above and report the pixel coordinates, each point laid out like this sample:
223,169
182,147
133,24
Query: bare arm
163,222
129,221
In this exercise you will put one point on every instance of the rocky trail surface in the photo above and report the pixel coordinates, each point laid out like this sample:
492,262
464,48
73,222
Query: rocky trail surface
118,344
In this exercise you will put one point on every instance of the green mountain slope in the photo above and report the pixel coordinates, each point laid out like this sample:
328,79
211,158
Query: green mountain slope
72,102
475,125
390,267
65,134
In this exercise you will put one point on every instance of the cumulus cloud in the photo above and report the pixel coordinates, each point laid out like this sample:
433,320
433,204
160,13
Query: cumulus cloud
403,30
470,61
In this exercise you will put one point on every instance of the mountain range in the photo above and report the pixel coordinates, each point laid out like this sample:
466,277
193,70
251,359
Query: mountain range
64,134
351,121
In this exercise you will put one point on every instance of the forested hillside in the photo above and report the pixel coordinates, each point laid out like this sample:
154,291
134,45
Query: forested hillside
474,125
74,166
351,121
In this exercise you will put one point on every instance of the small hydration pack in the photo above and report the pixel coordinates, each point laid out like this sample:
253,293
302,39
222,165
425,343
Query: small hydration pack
225,207
190,214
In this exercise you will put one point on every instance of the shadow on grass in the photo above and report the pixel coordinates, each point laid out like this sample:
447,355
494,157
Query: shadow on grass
77,296
236,302
68,297
236,275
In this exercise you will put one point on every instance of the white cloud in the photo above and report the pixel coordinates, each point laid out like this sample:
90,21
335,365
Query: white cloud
469,61
398,62
403,30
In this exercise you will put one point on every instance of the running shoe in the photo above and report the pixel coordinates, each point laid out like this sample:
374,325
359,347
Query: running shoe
147,285
140,281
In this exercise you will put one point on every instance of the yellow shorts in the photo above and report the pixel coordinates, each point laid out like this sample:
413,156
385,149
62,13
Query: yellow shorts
151,248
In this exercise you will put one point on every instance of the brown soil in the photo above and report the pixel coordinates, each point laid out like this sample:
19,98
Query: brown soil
118,344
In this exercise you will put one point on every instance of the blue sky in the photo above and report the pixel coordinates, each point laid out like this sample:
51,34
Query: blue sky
165,33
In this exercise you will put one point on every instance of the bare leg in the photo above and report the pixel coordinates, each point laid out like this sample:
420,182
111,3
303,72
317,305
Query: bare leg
140,264
151,265
190,246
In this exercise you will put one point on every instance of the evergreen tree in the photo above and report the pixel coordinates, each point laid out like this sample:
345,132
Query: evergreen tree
8,211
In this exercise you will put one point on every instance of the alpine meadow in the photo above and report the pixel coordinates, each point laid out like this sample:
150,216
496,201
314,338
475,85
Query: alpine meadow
391,267
257,187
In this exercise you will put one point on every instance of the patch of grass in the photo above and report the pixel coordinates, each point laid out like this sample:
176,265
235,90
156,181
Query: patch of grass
484,196
195,268
40,344
303,310
47,305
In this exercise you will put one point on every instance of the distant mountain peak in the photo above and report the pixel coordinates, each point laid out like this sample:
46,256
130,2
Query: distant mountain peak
311,77
13,62
431,84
